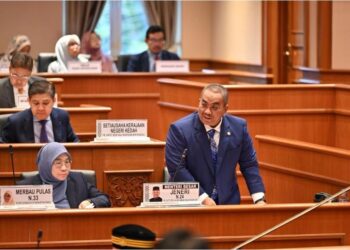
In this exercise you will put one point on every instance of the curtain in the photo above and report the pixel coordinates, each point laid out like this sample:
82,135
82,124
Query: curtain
82,16
163,13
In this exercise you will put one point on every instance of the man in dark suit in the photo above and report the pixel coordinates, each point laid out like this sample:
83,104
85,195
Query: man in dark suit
14,88
145,61
42,122
214,143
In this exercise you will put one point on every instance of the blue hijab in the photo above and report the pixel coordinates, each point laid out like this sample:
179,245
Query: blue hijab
44,161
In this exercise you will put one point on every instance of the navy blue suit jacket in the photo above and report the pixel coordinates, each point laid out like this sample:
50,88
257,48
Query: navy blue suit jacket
19,127
78,190
235,146
140,62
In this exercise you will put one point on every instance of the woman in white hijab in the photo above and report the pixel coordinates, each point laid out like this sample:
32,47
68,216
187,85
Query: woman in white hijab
70,189
67,49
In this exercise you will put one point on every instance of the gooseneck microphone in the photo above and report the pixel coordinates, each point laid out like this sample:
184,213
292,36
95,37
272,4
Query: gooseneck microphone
12,164
181,164
39,236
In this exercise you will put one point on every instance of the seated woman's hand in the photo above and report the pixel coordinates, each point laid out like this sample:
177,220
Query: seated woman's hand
86,204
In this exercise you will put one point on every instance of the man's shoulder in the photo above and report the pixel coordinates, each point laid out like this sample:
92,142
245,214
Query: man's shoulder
24,114
186,119
140,55
234,119
4,82
169,55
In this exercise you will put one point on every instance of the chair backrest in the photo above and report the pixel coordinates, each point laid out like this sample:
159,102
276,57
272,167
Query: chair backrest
3,119
90,175
44,59
122,63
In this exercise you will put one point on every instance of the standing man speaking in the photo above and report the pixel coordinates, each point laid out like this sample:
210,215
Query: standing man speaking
214,142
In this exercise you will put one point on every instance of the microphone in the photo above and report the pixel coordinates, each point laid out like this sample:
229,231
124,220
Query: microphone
12,164
39,236
180,166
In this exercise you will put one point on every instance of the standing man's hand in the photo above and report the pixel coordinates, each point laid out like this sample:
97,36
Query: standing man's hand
209,202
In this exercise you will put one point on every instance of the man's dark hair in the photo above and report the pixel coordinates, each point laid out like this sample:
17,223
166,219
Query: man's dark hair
156,188
22,60
182,239
154,29
42,87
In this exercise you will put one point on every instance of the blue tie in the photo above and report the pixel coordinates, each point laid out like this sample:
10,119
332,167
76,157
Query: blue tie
214,159
43,134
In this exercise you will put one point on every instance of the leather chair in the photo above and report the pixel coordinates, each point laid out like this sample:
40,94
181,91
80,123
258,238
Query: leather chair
3,119
122,62
44,59
90,175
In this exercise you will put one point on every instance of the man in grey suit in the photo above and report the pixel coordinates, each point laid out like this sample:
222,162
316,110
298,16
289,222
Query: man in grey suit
14,89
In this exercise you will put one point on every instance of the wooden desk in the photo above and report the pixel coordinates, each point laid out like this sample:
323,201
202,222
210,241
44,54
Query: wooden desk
121,168
223,226
313,113
83,119
301,169
130,95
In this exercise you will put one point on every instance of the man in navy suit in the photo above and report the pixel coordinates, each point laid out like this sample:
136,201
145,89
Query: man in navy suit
145,61
15,87
206,146
42,122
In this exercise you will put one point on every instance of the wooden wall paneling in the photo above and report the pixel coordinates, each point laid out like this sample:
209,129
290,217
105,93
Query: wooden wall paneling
324,34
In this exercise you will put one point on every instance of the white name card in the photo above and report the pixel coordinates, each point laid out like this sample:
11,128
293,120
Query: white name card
22,101
170,193
121,130
26,196
172,66
85,67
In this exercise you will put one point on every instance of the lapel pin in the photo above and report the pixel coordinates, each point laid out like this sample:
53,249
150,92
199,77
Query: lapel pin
228,133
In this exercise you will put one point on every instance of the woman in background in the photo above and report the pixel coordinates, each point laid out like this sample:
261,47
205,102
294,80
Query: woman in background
91,45
67,49
19,43
70,189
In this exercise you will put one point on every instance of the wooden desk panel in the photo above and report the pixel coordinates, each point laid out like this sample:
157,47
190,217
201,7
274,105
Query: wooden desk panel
116,164
300,169
223,226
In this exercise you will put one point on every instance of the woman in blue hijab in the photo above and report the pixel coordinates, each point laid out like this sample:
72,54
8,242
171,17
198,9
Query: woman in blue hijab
70,189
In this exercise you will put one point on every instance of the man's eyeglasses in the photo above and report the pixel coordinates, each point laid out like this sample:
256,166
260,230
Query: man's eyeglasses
59,164
153,40
18,77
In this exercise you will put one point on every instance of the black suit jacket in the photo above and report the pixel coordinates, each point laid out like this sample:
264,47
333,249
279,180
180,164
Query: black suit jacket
19,127
140,62
78,190
7,98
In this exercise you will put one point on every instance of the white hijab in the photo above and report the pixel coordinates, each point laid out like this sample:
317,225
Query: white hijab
63,56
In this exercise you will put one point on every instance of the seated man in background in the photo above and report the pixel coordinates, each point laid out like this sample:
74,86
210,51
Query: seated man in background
132,236
145,61
41,123
70,189
14,88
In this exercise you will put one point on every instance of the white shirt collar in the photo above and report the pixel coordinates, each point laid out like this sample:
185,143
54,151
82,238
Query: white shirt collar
217,128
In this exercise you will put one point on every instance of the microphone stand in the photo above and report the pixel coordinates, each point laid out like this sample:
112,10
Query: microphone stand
12,164
290,219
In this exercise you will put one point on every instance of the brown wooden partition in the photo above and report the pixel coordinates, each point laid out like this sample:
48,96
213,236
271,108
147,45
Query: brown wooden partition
121,168
130,95
294,171
313,113
224,226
